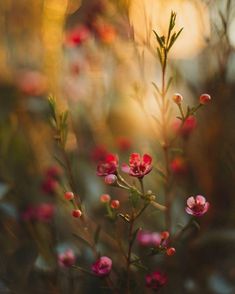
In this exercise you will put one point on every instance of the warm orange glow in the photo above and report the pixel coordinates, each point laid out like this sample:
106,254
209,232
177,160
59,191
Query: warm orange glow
193,16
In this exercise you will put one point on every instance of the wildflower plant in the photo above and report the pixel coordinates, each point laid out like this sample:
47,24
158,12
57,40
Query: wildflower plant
130,179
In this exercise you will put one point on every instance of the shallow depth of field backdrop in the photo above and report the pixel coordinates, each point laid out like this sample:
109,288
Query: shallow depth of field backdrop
81,79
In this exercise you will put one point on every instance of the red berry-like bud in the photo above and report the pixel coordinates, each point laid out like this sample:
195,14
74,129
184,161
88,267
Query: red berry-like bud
110,179
69,195
165,235
170,251
204,99
115,204
105,198
177,98
76,213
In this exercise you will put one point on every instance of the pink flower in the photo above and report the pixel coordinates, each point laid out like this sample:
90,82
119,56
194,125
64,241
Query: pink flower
138,166
197,206
155,280
102,267
108,166
145,238
67,258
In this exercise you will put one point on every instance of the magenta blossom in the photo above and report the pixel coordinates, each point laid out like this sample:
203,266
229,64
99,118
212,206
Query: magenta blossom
108,166
155,280
197,206
66,258
145,238
102,267
138,166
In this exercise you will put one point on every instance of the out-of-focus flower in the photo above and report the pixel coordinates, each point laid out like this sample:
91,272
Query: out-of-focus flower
53,172
177,98
145,238
105,198
155,280
44,212
115,204
204,99
110,179
178,166
28,214
123,144
68,195
99,153
77,36
197,206
49,185
185,129
188,126
105,32
138,166
32,83
67,258
108,166
76,213
102,267
50,181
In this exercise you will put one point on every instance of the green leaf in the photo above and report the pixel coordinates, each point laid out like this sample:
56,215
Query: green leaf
161,40
169,84
156,88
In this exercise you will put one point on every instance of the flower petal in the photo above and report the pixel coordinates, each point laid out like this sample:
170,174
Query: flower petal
200,200
191,201
112,158
125,168
147,159
189,211
135,158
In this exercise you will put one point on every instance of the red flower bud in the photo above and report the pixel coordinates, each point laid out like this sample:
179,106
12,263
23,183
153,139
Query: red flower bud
76,213
165,235
204,99
115,204
105,198
170,251
177,98
69,195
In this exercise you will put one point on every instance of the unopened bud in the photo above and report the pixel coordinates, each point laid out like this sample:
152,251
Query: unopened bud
204,99
170,251
177,98
114,204
69,195
76,213
165,235
105,198
110,179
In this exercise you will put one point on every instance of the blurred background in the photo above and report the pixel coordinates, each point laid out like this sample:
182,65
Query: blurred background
97,58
